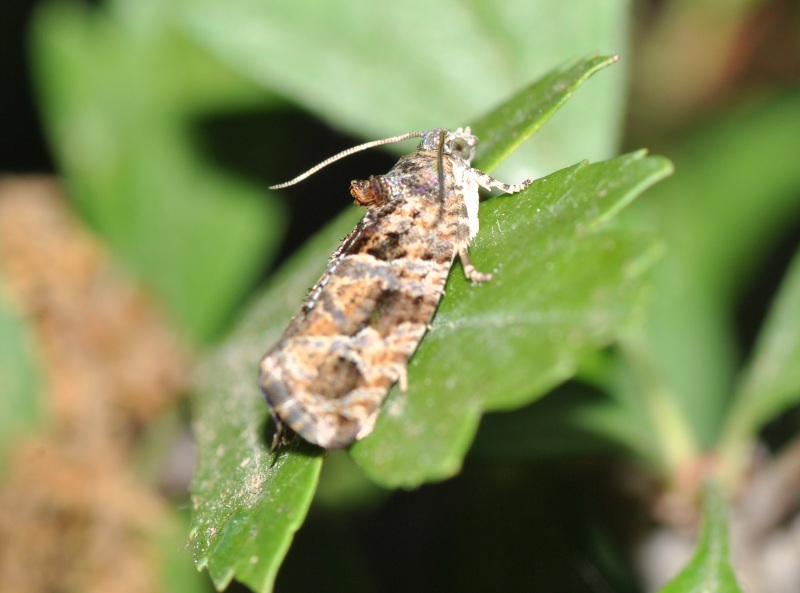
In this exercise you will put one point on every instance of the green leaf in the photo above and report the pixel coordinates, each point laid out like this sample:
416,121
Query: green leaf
505,130
230,414
771,381
244,516
119,91
564,287
710,570
448,62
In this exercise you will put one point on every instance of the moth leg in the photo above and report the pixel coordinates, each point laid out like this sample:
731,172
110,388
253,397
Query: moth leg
402,378
283,435
469,270
488,182
367,426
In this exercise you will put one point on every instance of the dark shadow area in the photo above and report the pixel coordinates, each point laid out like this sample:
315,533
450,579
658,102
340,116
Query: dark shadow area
760,290
23,149
273,146
545,429
495,527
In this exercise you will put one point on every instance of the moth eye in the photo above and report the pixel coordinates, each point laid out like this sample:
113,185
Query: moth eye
460,147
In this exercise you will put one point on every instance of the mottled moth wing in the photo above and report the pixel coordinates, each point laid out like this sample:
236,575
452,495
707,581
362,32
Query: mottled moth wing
328,375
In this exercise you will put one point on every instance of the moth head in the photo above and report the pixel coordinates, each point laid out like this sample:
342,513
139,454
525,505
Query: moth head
460,144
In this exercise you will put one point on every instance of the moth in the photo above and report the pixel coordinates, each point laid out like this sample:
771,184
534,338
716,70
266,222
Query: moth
328,375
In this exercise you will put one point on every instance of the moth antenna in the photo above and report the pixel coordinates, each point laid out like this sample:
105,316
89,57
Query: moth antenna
348,152
440,164
440,167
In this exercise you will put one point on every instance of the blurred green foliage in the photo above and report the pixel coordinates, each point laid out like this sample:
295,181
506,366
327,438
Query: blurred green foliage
710,567
119,93
20,384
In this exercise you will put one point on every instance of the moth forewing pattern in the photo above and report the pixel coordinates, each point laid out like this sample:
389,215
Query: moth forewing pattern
328,375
